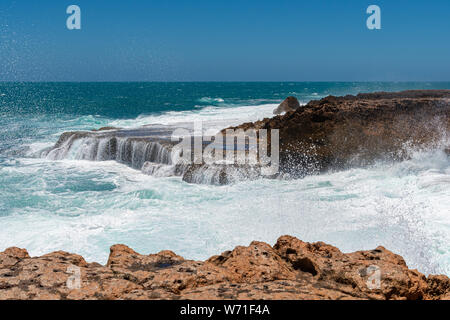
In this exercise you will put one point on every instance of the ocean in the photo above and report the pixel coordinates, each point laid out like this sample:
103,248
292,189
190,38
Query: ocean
84,207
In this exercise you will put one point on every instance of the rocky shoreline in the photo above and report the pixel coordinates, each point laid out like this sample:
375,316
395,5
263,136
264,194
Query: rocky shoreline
328,134
332,133
291,269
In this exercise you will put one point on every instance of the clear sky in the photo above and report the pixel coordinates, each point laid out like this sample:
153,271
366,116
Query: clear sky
231,40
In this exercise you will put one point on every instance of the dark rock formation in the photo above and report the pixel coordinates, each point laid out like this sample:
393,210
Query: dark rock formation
291,269
106,129
148,148
340,132
289,104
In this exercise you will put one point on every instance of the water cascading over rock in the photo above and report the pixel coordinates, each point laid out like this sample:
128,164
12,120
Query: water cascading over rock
137,152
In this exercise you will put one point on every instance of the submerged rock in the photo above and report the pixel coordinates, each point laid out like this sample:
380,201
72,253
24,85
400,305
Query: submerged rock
289,104
291,269
220,174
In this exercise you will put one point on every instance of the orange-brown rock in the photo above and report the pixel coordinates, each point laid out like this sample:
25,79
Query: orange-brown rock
291,269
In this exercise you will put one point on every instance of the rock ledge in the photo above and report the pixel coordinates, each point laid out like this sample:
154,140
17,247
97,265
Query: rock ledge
291,269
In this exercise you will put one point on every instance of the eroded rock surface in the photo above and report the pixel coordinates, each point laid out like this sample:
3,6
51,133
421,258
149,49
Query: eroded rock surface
289,104
291,269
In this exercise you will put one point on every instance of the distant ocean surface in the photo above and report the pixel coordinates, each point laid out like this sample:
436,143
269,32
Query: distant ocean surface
85,207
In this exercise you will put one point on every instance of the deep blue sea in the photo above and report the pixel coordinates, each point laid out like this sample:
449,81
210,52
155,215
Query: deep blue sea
85,207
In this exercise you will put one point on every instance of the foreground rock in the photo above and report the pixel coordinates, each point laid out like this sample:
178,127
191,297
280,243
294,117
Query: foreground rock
291,269
289,104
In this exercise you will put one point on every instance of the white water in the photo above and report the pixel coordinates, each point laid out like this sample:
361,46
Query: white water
85,207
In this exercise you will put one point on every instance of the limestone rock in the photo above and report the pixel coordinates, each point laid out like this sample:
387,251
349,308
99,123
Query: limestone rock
291,269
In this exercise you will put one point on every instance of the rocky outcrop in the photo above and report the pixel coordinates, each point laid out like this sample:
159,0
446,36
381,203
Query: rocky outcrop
289,104
333,133
291,269
149,149
340,132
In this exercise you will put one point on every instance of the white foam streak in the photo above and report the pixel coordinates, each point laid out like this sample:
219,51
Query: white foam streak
84,207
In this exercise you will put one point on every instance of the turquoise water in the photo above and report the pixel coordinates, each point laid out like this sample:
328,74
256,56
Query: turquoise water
85,207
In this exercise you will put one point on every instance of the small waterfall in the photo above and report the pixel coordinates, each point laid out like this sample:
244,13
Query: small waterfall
153,157
134,152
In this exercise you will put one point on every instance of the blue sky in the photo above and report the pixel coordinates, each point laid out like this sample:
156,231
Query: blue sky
196,40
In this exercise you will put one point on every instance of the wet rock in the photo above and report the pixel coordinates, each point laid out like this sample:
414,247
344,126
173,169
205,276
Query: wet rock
337,133
289,104
340,132
106,129
220,174
333,133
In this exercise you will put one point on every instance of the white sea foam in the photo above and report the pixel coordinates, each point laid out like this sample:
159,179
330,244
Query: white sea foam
213,117
84,207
